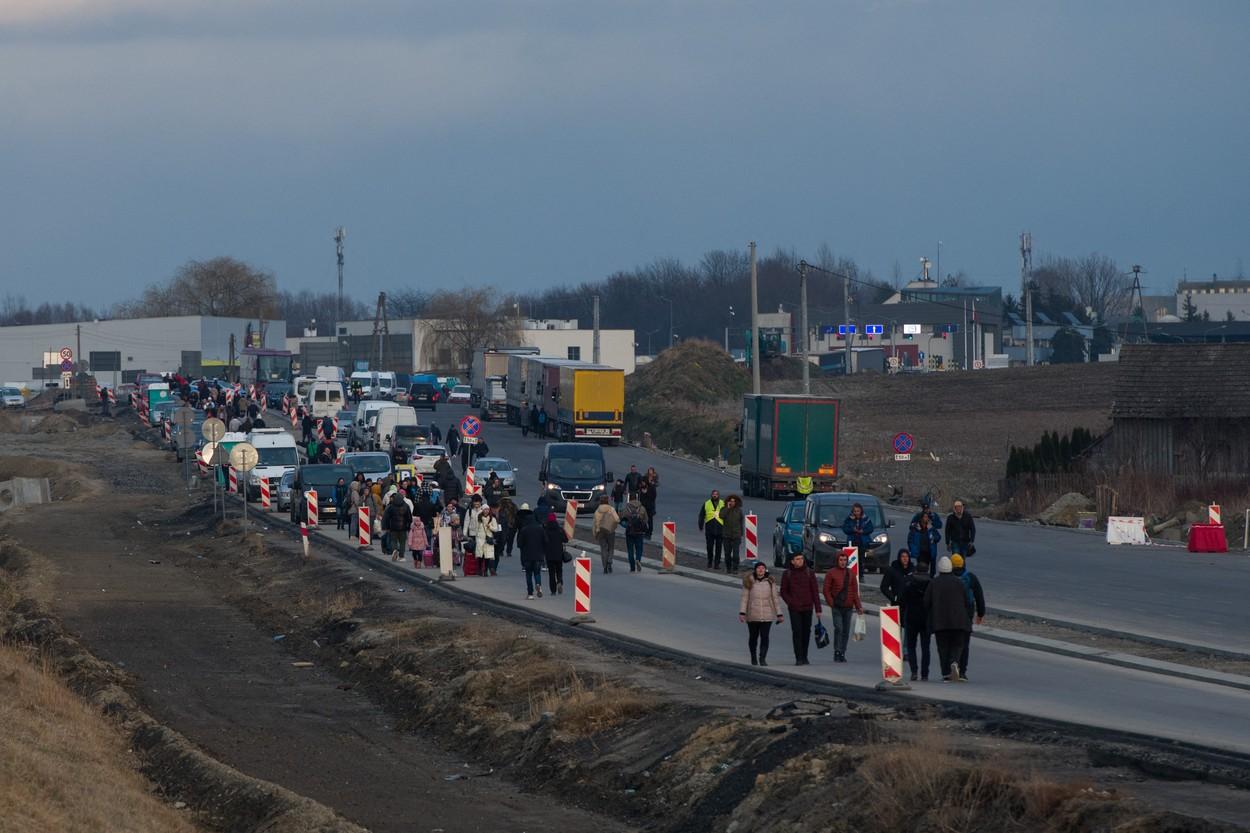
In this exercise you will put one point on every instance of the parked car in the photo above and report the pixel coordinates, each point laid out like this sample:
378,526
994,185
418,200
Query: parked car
460,395
425,456
12,398
372,464
285,486
422,395
322,477
274,392
500,466
823,537
788,533
196,440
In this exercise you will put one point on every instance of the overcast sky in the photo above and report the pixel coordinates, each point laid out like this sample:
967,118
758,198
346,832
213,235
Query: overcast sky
527,144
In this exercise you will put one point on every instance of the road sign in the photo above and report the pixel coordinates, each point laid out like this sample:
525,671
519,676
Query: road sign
903,443
183,417
874,329
66,354
977,364
244,456
827,329
213,454
213,429
911,329
470,440
67,379
470,426
67,366
901,458
846,329
892,361
921,355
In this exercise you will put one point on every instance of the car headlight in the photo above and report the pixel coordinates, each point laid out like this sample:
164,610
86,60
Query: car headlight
553,486
598,488
881,538
825,538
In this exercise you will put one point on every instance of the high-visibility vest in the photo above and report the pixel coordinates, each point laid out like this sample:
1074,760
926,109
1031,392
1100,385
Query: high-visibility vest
803,485
711,511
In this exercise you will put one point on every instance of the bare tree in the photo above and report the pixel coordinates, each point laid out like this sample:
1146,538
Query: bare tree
1092,284
468,319
299,309
407,303
221,286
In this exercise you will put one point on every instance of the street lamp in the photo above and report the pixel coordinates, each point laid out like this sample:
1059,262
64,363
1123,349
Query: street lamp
670,318
649,334
731,317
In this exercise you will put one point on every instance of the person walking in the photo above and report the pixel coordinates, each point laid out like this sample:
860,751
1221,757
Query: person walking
636,520
759,606
858,529
554,541
533,417
961,531
542,424
974,597
842,596
353,505
418,540
893,585
633,480
524,418
487,541
712,528
507,526
531,539
618,495
732,523
604,527
436,436
916,621
802,598
470,522
923,539
308,427
946,606
342,505
646,496
396,521
935,520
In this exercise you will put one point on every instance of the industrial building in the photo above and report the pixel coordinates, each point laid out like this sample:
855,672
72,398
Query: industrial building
117,350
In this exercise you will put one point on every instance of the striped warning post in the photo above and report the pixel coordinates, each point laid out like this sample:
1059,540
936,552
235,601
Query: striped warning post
852,560
303,531
199,461
294,420
1213,514
365,530
251,391
112,396
143,417
752,534
286,402
470,480
340,455
891,644
570,518
581,590
668,560
265,497
165,430
232,482
311,494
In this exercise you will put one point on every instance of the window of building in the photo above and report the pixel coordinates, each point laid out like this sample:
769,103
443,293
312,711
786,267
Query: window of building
575,354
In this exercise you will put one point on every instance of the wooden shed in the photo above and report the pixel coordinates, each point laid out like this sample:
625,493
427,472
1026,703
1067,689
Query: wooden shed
1183,410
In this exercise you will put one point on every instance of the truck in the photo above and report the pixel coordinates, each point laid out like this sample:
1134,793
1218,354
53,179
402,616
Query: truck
785,438
259,365
582,401
488,375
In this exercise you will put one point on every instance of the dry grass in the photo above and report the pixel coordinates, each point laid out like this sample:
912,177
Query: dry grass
341,604
63,769
583,711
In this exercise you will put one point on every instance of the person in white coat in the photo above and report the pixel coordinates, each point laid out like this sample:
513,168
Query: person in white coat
486,529
759,607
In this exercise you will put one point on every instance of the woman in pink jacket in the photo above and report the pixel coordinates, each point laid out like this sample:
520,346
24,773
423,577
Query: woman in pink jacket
418,541
759,607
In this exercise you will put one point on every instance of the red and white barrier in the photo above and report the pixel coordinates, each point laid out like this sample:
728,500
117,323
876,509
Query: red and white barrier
1213,514
112,396
143,417
265,498
311,496
199,461
581,589
852,560
365,530
286,402
751,529
294,420
251,391
470,481
891,645
303,531
232,481
668,561
340,455
570,518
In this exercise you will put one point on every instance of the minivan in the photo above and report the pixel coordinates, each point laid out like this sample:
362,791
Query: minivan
823,538
573,471
325,398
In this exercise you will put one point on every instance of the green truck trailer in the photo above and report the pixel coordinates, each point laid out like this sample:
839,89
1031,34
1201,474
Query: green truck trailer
786,440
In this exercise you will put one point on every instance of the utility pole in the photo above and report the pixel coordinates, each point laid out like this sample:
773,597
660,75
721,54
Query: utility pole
755,324
807,372
381,330
78,337
230,364
1141,302
339,236
966,363
846,318
1026,290
595,350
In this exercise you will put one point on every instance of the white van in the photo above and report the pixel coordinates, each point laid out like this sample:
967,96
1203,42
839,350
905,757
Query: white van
388,418
302,384
367,380
359,437
325,399
385,388
330,373
276,453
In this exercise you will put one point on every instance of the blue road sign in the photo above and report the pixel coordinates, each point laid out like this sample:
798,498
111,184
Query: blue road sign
827,329
470,426
921,355
874,329
846,329
903,443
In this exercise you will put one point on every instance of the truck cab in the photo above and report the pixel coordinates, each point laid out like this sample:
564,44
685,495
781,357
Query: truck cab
276,453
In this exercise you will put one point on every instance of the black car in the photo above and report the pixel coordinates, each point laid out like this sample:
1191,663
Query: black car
823,538
423,395
322,478
274,392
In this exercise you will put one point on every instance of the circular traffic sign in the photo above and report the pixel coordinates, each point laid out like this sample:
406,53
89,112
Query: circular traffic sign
244,457
470,426
67,365
903,443
211,452
213,429
66,353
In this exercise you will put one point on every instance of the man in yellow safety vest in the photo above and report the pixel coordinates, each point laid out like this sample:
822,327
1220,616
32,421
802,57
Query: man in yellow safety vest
713,528
803,485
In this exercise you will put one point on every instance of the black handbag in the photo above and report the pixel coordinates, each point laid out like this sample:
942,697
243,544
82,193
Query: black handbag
822,635
566,555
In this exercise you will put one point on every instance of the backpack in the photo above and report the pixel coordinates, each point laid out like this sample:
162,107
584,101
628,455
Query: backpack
635,525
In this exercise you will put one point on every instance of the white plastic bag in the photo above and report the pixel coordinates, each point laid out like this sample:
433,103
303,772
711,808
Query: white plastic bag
859,628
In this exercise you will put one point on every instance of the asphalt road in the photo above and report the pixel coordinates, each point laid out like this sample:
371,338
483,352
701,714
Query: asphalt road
700,617
1154,591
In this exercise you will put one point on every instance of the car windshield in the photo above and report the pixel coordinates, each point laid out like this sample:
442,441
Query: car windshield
10,392
370,463
496,464
578,468
324,475
409,431
795,513
461,389
429,451
833,514
288,478
276,457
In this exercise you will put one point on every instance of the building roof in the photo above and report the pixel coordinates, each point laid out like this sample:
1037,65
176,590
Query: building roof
1179,381
927,312
1186,286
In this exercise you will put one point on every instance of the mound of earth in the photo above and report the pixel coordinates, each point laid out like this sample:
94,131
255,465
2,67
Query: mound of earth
68,481
688,399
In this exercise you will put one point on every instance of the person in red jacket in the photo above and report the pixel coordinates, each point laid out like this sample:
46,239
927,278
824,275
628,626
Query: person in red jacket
842,596
802,597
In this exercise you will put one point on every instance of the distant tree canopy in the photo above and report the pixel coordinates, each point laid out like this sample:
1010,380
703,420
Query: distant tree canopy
1091,287
1053,454
463,320
221,286
301,309
14,311
1067,346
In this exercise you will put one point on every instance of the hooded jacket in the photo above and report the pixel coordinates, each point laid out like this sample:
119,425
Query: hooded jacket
945,604
894,582
732,519
799,589
760,601
531,539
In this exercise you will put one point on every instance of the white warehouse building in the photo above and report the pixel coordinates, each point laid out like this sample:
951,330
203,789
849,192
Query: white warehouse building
117,349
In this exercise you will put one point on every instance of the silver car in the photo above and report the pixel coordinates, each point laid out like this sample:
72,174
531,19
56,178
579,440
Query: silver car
285,486
485,465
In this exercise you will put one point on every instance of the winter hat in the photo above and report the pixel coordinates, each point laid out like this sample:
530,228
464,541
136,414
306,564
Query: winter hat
525,507
957,561
944,565
551,517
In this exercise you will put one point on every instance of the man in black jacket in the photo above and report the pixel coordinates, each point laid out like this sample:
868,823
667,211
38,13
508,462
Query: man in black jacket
396,521
532,542
961,530
974,598
945,603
